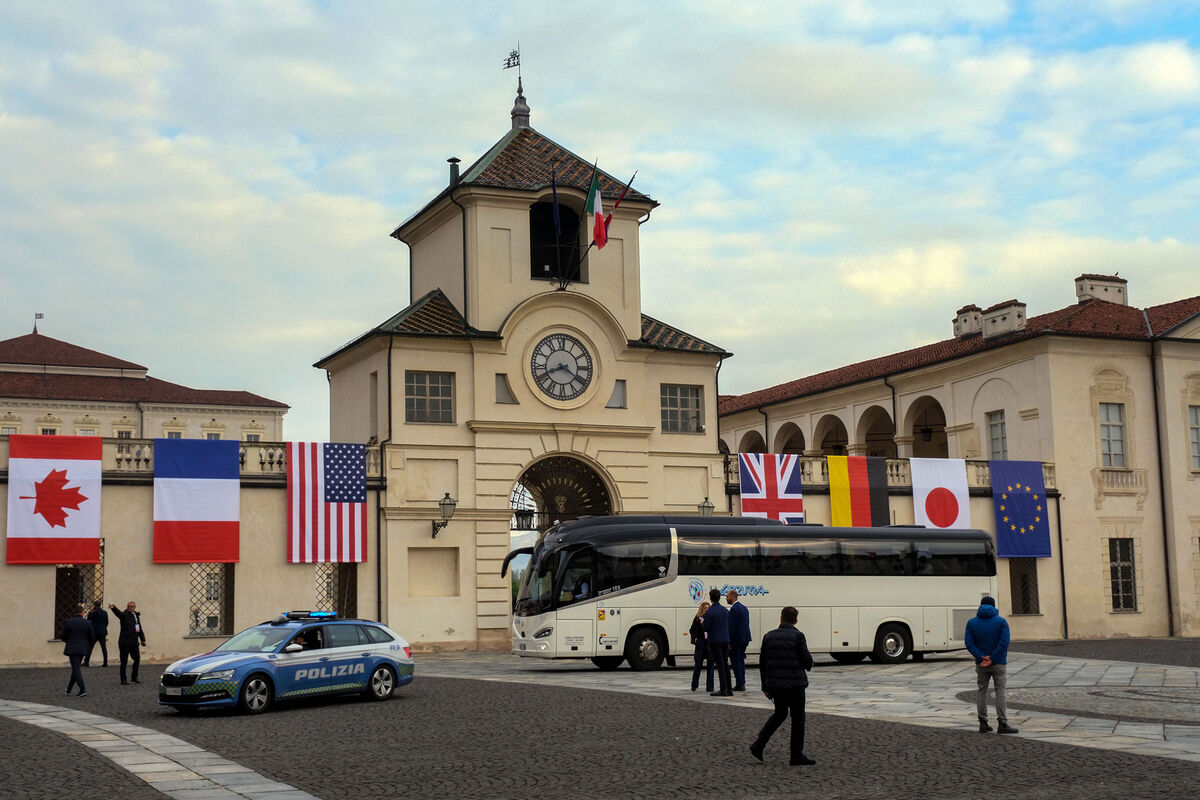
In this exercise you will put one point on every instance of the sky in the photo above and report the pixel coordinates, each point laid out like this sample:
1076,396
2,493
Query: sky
208,188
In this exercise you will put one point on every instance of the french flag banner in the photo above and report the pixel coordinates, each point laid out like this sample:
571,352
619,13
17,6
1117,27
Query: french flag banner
53,500
197,501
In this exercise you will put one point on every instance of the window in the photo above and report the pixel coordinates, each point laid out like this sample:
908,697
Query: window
997,435
877,558
624,564
1023,585
504,395
429,397
700,554
680,408
800,557
48,431
1194,428
553,252
253,437
86,432
76,585
125,434
174,434
617,400
7,431
211,606
212,437
337,588
1112,434
1121,572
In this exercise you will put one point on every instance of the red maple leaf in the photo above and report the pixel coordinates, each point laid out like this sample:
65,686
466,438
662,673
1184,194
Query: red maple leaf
53,497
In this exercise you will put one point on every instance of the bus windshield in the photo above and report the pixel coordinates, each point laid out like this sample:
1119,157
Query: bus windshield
537,586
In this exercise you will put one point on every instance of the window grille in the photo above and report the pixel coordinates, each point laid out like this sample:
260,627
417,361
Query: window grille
428,397
337,588
211,611
680,408
1023,585
1112,434
1121,572
76,585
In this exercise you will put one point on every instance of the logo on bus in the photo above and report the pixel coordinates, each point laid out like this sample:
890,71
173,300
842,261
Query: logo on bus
696,590
746,591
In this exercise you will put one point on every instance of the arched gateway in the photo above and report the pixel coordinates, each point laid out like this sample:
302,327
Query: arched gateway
560,488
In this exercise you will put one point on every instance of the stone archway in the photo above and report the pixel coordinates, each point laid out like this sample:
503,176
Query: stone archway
560,488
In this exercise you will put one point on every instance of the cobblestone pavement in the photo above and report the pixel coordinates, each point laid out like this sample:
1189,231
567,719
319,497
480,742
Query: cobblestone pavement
512,728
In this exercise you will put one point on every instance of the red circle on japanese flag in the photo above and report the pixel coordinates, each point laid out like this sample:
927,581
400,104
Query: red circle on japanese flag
941,507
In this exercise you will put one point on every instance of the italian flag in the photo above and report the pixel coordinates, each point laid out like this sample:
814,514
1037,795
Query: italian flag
595,212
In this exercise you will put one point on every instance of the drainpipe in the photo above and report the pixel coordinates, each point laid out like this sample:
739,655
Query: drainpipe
766,428
454,182
1062,569
379,491
717,399
895,413
1163,472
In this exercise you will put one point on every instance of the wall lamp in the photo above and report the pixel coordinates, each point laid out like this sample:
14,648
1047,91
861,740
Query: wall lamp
446,505
705,509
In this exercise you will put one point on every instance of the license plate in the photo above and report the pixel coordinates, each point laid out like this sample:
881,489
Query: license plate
173,690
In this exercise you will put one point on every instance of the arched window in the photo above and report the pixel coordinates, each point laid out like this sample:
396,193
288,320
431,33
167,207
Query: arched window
553,255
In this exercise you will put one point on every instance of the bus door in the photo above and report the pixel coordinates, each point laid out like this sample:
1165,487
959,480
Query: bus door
576,627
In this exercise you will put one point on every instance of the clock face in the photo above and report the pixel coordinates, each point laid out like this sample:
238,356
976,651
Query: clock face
561,366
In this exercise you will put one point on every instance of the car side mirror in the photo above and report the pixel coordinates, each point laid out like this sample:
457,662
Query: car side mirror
293,648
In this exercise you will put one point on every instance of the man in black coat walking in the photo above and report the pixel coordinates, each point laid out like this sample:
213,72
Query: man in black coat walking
77,639
99,619
130,636
783,666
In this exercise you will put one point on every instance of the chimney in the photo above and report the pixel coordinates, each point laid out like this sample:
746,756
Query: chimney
1101,287
968,320
453,171
1002,318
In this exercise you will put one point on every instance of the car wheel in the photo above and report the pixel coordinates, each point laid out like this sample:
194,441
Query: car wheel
382,683
892,644
848,658
607,663
256,694
646,650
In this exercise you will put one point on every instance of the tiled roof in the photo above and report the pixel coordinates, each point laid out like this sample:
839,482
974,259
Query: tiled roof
37,386
1092,318
34,348
523,159
432,315
662,336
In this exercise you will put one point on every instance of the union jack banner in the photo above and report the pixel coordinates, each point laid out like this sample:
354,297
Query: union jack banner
770,486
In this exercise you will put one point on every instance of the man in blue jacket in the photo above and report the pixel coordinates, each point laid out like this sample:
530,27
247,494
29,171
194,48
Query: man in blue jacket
739,637
987,639
716,630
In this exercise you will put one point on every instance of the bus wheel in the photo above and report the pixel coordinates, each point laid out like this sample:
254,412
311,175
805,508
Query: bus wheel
848,658
645,650
892,644
607,663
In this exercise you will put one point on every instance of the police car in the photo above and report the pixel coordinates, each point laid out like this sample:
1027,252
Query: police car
296,655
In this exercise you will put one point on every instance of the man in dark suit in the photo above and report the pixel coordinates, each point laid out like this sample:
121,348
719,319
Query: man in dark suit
99,619
130,636
783,666
716,627
77,639
739,637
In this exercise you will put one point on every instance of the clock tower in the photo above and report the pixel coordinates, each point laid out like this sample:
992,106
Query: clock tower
523,380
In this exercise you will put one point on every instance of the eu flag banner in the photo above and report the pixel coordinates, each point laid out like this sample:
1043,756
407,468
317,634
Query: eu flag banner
1022,521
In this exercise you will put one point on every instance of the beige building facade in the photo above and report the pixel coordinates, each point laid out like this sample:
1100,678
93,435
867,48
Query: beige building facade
1105,394
524,377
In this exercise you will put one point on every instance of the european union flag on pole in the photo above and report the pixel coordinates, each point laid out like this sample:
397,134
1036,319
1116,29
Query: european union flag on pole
1022,521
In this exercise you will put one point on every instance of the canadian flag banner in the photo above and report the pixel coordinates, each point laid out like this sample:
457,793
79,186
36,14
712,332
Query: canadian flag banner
53,500
940,498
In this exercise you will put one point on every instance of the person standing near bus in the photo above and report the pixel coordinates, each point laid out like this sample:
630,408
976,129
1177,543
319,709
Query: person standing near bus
701,645
987,639
739,638
783,666
716,628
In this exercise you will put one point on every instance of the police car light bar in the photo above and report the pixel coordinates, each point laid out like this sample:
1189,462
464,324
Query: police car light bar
310,614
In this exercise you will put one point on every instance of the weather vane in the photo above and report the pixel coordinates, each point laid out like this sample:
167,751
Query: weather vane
514,60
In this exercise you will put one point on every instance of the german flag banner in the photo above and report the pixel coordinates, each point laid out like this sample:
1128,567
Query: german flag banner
858,491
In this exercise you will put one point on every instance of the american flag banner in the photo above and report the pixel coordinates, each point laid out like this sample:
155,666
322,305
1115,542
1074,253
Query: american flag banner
770,486
327,502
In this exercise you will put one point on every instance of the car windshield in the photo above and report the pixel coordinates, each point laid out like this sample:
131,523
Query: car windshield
256,640
537,589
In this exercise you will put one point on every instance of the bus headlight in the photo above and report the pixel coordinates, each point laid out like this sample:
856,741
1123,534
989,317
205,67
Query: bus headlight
543,633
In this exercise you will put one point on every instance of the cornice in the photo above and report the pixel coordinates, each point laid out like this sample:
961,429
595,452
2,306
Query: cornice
533,427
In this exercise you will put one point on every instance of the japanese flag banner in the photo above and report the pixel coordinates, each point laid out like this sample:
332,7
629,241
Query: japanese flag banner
940,497
53,500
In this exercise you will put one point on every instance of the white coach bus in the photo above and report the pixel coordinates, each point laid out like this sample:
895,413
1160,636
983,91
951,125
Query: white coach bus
616,588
